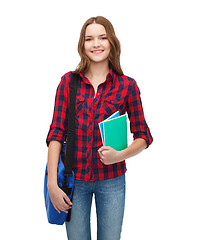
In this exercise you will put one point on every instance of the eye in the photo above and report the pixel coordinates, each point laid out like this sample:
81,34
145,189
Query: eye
104,38
88,39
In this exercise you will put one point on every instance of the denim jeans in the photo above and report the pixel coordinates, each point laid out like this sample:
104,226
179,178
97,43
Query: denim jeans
109,201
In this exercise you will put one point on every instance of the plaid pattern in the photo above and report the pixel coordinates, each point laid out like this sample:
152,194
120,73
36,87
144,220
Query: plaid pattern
116,93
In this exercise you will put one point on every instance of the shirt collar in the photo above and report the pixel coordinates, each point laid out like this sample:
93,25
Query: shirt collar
110,76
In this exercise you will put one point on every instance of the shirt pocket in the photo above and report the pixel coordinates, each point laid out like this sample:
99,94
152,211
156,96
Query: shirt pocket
81,113
112,104
80,104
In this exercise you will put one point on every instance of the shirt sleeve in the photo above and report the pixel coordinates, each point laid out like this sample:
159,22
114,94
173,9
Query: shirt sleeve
138,125
57,128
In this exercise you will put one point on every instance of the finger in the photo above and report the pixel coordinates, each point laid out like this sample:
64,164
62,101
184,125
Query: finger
65,205
64,208
102,160
100,149
100,154
107,148
67,199
56,209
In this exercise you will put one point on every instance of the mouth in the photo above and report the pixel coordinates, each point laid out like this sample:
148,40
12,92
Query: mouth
97,51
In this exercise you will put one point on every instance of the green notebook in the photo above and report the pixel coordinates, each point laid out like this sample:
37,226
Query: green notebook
115,132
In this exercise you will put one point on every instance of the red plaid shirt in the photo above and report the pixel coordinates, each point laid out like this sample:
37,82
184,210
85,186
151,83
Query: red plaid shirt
116,93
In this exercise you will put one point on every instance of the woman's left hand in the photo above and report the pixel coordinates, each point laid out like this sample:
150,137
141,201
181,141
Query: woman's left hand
109,155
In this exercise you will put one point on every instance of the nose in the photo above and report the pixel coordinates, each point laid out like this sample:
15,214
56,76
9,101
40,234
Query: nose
96,43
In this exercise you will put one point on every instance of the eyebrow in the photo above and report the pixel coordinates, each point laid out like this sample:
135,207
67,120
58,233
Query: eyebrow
99,35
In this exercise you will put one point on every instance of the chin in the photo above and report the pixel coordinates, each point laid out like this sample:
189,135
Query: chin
97,60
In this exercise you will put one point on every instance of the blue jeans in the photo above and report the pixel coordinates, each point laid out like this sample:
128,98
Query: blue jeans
110,202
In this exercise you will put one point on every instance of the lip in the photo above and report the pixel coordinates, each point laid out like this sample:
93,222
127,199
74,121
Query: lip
97,51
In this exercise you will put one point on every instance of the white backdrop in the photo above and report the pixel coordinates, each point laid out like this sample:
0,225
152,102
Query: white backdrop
38,45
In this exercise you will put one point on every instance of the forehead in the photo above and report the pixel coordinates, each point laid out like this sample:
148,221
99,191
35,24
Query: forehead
95,29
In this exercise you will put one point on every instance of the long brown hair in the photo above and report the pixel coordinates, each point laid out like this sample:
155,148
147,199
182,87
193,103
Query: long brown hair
114,56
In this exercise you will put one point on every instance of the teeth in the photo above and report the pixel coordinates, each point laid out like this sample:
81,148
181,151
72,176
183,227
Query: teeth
97,51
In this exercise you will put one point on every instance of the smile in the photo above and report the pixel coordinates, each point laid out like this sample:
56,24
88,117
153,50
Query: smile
97,51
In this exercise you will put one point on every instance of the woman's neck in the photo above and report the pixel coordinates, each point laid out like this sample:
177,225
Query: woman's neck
97,71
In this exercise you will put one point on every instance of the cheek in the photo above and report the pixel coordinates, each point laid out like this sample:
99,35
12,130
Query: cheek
86,47
108,46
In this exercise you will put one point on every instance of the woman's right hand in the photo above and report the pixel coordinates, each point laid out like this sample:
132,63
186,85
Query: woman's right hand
59,199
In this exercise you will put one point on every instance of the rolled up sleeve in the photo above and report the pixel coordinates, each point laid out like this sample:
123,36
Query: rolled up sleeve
138,125
57,128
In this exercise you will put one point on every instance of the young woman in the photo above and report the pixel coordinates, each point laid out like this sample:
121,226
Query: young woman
100,170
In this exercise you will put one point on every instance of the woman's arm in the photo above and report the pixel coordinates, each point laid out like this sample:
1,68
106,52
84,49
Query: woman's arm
53,158
55,139
135,148
109,155
58,197
138,125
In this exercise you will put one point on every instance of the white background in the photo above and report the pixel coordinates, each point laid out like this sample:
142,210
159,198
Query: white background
38,45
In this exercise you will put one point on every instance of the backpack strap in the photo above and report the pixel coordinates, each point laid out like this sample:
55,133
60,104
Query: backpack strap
70,140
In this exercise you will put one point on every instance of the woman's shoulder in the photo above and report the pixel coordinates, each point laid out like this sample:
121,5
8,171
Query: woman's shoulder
64,82
127,80
65,79
129,83
67,76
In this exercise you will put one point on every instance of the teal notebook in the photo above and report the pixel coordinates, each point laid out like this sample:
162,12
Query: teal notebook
115,132
114,115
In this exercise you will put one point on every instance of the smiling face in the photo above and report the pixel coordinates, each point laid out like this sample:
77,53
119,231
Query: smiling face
97,45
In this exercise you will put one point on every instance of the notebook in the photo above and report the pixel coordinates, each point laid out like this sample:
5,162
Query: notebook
114,131
101,126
